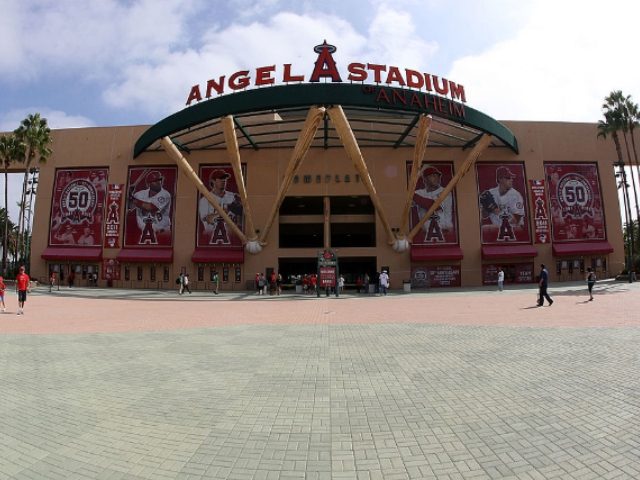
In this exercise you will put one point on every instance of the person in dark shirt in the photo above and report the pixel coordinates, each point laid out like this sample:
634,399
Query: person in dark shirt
544,283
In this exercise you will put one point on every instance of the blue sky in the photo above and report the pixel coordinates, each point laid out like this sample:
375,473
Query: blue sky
124,62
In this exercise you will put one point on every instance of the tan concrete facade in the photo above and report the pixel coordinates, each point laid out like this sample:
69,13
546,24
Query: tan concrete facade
539,142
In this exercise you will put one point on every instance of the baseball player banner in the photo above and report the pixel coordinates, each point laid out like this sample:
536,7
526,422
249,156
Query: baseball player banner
150,207
212,230
442,227
77,207
540,214
502,203
575,202
112,217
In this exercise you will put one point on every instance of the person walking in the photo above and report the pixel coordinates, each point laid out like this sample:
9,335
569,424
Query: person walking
341,284
544,284
591,281
181,284
216,282
3,287
384,282
22,285
500,279
185,279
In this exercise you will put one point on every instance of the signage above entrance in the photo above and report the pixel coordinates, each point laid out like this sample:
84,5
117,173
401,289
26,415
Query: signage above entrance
325,68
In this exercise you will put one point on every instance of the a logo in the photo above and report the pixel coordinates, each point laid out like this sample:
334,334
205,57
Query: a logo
575,196
78,201
326,68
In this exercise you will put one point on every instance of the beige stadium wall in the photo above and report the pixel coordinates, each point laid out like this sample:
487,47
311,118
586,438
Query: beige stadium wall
539,142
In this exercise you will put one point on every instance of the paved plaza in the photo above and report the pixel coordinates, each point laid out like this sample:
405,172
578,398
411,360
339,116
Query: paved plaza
461,384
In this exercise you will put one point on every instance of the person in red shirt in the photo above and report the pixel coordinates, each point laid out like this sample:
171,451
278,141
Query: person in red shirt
22,284
2,289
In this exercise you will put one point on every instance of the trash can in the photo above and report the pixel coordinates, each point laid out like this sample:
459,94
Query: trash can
406,285
298,288
372,288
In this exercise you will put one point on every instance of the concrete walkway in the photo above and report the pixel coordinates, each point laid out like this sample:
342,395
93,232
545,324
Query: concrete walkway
463,384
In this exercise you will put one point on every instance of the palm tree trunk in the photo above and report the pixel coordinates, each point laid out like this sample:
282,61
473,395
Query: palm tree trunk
21,222
633,178
5,239
637,165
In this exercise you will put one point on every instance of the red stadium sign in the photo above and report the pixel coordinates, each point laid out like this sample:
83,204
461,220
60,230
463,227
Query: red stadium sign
212,230
326,68
150,207
540,211
112,222
442,227
502,203
575,202
77,207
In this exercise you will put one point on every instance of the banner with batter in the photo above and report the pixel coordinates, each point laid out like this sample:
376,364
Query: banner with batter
502,203
540,213
77,207
112,221
575,202
442,227
150,206
212,230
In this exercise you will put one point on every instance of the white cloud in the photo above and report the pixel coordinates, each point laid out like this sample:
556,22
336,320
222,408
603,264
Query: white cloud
161,85
9,121
94,39
559,67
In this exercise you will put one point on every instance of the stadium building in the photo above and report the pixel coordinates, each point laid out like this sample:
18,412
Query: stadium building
388,167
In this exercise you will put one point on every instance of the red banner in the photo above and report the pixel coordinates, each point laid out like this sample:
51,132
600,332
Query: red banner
540,215
442,227
575,202
435,276
77,207
502,203
212,230
150,207
327,277
111,269
112,221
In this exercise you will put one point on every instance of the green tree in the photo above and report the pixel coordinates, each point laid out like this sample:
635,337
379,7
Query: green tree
11,151
35,135
610,127
620,106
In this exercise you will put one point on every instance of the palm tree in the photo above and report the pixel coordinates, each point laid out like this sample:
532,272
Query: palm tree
619,104
633,121
610,126
11,150
35,134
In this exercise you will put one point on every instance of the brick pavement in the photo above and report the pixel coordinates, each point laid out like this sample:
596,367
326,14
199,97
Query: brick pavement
451,385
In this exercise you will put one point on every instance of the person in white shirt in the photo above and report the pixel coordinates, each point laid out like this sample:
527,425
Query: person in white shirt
500,279
384,282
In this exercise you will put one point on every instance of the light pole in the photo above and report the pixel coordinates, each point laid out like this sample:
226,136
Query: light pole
33,187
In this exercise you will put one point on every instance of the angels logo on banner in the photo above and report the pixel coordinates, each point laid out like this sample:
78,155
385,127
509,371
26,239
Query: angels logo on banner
212,230
502,203
442,227
150,206
77,207
575,202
